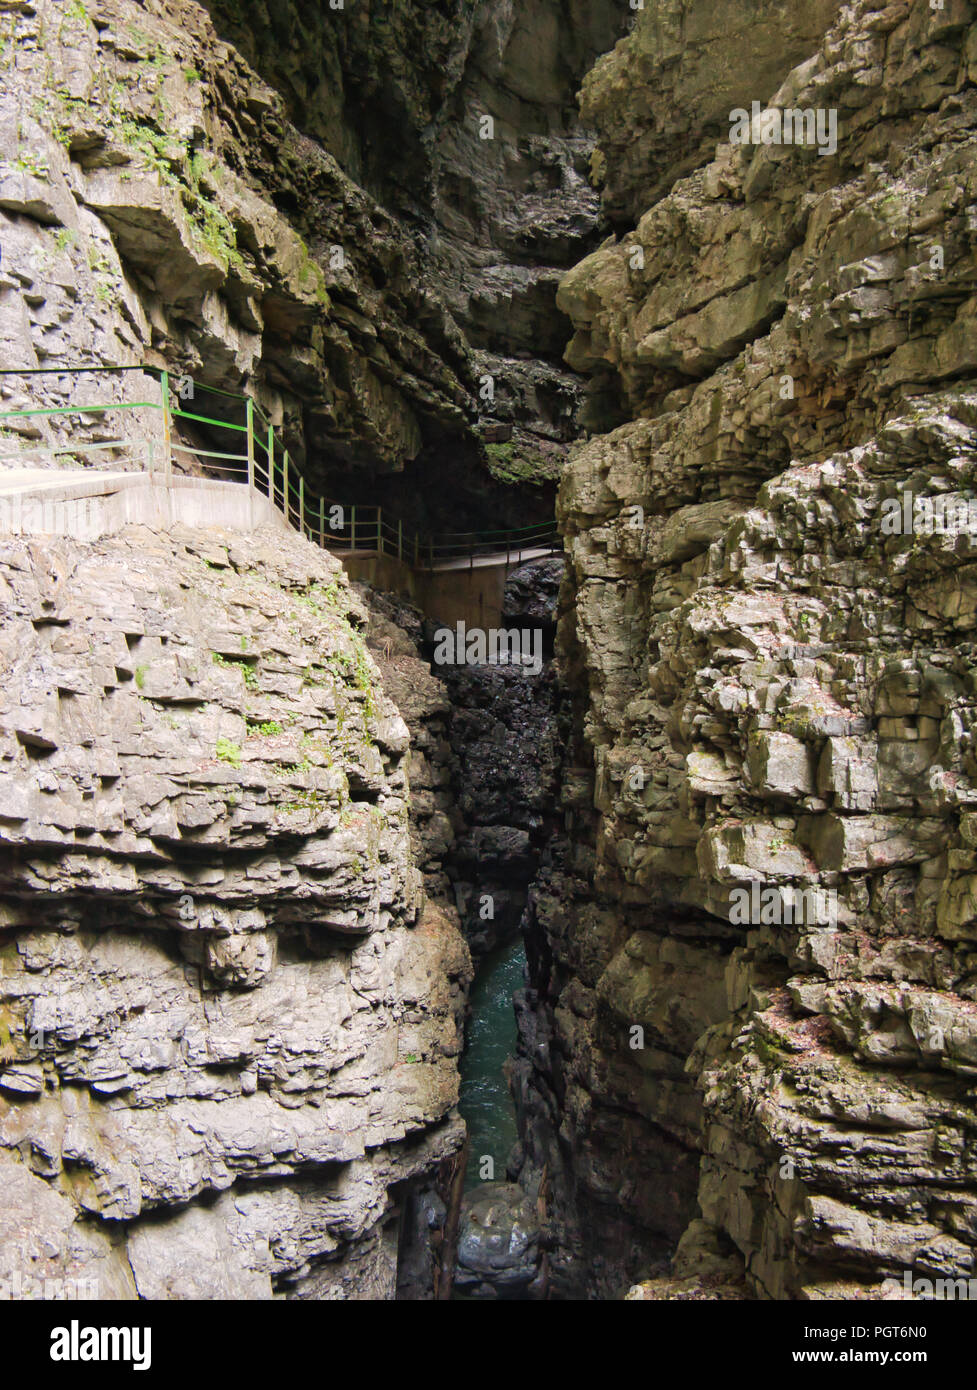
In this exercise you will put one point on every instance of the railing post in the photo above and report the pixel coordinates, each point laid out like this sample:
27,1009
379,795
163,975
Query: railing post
417,550
400,539
322,522
249,409
379,530
352,528
285,488
164,384
271,456
302,504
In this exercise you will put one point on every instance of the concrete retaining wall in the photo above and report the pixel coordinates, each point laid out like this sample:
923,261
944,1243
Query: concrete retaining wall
86,507
472,596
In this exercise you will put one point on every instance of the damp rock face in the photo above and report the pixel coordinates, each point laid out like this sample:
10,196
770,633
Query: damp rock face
532,593
498,1242
773,683
301,203
505,733
146,165
503,729
484,755
230,1017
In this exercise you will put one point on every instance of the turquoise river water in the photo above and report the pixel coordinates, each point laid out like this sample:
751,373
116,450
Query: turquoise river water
485,1102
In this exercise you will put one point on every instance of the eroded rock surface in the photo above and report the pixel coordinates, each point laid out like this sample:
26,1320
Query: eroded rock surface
298,202
772,688
231,1018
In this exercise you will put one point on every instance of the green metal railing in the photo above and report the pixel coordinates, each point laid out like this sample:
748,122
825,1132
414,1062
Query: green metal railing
268,470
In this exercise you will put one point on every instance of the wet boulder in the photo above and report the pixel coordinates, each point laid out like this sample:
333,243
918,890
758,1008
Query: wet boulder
498,1242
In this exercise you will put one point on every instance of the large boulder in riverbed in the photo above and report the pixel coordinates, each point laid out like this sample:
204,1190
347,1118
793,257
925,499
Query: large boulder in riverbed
498,1242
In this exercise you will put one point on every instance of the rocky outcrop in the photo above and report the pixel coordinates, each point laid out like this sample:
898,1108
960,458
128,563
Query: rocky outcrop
532,594
230,1017
773,682
159,206
300,203
498,1245
661,98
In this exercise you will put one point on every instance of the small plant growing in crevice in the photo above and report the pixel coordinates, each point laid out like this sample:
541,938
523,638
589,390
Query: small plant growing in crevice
268,729
228,752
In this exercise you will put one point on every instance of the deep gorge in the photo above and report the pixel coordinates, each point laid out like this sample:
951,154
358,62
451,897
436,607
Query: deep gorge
477,264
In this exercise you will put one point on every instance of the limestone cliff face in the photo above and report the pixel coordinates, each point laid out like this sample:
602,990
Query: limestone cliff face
298,203
158,205
231,973
222,975
230,1018
771,687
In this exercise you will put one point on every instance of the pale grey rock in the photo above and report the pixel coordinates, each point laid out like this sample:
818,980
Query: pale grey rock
793,678
221,965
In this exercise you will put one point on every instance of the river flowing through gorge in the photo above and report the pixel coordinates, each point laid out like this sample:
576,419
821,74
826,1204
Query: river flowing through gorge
485,1100
488,688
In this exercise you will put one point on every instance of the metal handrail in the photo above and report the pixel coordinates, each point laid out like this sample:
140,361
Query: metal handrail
364,529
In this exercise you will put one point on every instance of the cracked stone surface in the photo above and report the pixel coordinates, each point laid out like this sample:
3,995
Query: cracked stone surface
770,687
231,1017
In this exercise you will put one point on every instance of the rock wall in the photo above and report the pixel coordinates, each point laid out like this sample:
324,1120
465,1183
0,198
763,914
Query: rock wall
158,205
773,685
293,202
230,1014
230,1017
297,202
484,755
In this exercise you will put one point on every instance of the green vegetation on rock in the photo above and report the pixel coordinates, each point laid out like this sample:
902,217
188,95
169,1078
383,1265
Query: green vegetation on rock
512,462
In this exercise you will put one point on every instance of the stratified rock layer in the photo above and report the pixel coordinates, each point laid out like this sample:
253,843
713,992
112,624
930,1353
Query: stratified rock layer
774,688
298,201
230,1019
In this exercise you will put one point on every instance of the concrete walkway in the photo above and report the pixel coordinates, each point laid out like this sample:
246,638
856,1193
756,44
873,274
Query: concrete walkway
510,557
78,482
87,503
499,557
